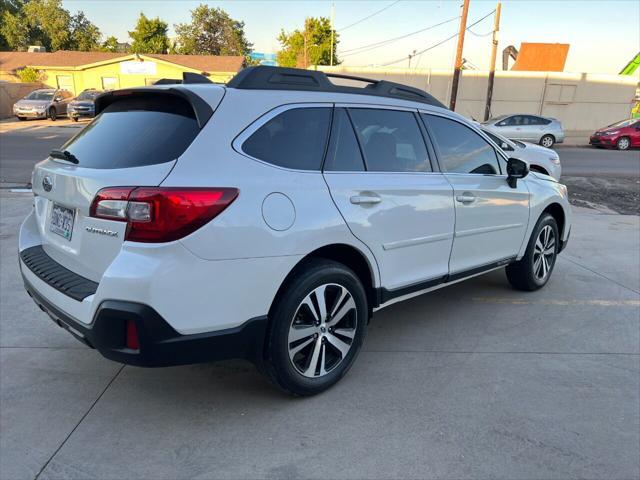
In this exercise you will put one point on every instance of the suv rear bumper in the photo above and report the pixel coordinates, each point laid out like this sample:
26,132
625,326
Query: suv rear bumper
159,344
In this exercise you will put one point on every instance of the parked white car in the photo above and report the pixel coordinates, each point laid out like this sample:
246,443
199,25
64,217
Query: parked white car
269,218
541,159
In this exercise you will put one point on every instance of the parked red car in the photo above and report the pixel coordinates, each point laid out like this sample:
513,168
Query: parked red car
621,135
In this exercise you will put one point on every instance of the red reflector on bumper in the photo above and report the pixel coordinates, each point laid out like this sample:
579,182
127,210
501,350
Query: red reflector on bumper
132,336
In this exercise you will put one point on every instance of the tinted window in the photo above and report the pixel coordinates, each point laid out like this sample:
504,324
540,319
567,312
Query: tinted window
40,95
294,139
461,149
391,140
136,132
344,154
88,95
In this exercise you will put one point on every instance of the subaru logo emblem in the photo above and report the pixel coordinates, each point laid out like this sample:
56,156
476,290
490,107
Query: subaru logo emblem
47,183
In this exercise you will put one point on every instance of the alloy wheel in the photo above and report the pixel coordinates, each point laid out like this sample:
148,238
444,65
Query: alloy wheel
544,253
623,143
322,330
547,142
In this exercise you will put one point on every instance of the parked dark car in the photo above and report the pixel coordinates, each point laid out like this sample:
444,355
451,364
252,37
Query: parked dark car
83,105
621,135
43,103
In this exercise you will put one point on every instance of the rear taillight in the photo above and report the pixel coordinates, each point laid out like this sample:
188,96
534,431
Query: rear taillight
161,214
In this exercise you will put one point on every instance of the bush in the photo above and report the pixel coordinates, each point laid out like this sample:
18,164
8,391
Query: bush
29,75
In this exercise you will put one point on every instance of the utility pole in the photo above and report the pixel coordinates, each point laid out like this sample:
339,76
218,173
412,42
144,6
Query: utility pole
492,67
458,65
333,15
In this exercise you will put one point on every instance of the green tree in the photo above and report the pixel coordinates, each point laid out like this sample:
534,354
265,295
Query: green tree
11,7
29,74
49,24
45,23
111,44
212,32
150,36
84,34
311,46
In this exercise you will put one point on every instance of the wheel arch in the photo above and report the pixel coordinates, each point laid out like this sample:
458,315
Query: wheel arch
538,168
347,255
557,212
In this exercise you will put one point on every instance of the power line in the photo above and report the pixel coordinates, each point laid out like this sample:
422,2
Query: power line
373,46
480,34
368,16
439,43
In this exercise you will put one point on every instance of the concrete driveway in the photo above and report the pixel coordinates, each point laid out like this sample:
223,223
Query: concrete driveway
474,381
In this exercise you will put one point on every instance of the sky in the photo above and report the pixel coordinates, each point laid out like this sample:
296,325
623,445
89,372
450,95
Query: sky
604,35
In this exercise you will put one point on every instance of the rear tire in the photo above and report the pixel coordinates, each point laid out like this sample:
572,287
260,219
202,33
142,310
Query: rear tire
52,114
623,143
22,119
547,141
317,327
534,269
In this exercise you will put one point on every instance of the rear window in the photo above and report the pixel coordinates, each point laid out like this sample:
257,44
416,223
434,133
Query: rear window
135,132
294,139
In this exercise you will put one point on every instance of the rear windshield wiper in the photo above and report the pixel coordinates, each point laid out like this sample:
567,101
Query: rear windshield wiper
64,155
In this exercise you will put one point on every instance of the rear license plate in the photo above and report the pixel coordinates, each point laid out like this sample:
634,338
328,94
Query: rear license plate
62,221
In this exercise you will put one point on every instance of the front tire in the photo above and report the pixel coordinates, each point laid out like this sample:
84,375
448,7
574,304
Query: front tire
547,141
52,114
534,269
317,328
74,119
623,143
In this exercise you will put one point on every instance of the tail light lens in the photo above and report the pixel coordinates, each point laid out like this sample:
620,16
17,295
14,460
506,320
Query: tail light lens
161,214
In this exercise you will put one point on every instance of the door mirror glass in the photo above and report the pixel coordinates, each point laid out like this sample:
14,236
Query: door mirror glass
516,169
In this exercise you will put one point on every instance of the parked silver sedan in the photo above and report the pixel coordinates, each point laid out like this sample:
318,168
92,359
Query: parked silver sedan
540,159
43,103
532,128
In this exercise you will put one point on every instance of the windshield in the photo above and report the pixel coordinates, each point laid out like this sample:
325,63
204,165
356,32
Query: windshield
88,95
624,123
40,95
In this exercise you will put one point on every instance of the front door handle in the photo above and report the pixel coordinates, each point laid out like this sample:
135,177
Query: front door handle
365,199
466,198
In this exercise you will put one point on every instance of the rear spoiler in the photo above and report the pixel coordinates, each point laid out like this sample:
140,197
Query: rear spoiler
201,109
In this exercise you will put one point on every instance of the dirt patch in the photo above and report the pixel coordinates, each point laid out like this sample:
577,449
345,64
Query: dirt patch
619,194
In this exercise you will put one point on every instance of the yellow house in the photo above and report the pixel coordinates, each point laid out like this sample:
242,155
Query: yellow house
77,71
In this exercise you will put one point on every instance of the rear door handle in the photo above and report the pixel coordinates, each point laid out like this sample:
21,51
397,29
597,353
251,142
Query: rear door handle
365,199
466,198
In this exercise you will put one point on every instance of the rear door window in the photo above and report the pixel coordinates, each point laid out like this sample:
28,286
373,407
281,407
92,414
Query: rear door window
295,138
391,140
135,132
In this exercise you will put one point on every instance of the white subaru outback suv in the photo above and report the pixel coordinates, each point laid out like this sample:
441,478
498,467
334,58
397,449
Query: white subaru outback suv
269,218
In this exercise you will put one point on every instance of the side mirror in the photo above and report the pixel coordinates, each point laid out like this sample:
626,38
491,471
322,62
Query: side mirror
500,124
506,147
516,169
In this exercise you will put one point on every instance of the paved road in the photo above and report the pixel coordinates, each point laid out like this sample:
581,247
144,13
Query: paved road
25,143
473,381
588,161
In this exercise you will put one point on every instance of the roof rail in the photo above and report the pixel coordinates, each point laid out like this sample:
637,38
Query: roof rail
187,78
263,77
